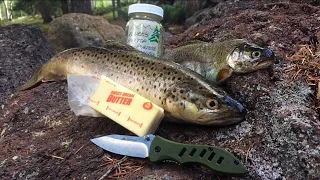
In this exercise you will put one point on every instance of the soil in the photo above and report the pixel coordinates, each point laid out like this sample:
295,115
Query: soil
41,138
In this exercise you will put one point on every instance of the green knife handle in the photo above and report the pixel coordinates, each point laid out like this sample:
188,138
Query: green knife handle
217,159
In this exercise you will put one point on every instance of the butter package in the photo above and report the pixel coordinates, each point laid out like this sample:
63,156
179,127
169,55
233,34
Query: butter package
130,110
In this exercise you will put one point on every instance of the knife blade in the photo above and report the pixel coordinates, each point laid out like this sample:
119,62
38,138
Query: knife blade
159,150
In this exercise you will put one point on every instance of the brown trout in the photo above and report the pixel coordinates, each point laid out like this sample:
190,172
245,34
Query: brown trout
217,61
186,96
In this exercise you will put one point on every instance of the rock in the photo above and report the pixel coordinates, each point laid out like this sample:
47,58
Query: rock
258,22
283,125
202,15
82,30
23,49
279,138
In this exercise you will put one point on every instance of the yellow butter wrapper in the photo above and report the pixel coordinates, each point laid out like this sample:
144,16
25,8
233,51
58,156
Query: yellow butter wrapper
132,111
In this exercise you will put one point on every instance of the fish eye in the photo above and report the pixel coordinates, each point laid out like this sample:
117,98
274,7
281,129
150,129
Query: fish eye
212,104
256,54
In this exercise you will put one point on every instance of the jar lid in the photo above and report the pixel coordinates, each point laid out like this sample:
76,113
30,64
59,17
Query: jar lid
146,8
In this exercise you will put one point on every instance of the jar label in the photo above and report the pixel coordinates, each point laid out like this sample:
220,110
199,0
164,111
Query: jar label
145,36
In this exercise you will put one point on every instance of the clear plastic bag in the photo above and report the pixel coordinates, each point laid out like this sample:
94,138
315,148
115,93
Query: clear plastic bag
80,88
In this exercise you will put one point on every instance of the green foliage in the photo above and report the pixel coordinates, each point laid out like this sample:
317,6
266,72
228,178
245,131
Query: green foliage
4,22
102,7
173,14
103,3
26,6
123,13
99,11
44,28
28,20
30,6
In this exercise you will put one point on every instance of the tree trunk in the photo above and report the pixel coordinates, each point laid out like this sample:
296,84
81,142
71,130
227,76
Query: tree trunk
10,9
5,9
119,8
0,13
64,6
44,11
93,3
83,6
33,11
113,9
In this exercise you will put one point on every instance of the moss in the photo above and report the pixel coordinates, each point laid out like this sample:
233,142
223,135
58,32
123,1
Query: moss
44,28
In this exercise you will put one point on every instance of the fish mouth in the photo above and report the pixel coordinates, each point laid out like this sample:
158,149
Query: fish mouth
225,119
257,65
263,63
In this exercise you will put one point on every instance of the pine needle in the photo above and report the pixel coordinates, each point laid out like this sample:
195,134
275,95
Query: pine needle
114,167
306,63
57,157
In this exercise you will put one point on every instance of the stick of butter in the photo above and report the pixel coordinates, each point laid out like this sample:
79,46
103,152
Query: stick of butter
125,107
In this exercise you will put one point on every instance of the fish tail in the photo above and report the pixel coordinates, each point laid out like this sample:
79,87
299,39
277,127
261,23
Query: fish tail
36,79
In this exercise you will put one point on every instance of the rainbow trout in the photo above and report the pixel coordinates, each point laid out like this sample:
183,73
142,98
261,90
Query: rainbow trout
186,96
217,61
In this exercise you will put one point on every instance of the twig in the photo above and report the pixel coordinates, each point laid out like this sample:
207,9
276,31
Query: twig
114,167
129,167
79,149
127,164
58,157
296,74
289,69
3,131
138,169
104,164
247,155
121,173
109,158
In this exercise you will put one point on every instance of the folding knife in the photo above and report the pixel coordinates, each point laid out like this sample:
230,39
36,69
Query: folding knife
159,149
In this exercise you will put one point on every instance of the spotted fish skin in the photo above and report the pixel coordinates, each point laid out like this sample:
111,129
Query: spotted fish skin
218,61
185,96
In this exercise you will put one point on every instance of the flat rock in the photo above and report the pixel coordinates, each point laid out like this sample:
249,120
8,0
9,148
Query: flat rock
82,30
279,138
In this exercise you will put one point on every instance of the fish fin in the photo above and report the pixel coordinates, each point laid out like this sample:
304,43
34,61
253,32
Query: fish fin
111,44
39,76
223,75
35,79
53,77
193,41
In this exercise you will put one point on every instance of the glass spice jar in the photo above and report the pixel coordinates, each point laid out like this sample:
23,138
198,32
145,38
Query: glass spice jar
144,31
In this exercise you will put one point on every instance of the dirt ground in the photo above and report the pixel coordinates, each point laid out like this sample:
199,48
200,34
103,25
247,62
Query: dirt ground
41,138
